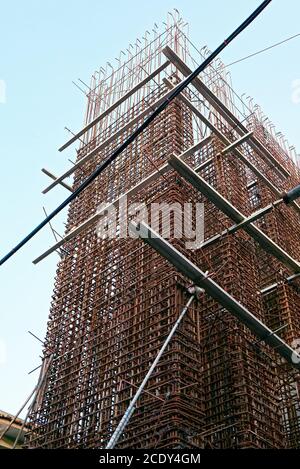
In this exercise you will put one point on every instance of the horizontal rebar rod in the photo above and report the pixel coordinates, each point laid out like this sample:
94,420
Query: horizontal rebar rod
237,143
234,228
138,131
273,287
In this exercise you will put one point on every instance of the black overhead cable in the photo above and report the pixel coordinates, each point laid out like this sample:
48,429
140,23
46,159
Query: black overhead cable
177,90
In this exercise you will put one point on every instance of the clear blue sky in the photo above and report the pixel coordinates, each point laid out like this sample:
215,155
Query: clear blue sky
43,47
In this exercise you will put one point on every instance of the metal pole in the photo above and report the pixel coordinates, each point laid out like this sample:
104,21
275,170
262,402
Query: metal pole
38,386
126,417
177,90
33,392
18,413
21,429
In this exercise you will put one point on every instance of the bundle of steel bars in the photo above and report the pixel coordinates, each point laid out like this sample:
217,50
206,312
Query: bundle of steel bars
115,299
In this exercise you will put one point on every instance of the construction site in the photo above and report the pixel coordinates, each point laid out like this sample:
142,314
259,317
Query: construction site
229,375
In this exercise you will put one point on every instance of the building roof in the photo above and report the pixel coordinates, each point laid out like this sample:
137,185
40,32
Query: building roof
8,439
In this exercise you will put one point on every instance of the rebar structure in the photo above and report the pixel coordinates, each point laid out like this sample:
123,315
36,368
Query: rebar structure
115,299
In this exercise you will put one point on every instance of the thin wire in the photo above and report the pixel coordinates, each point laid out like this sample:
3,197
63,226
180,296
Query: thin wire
264,50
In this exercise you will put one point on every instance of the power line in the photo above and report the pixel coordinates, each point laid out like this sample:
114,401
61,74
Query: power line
264,50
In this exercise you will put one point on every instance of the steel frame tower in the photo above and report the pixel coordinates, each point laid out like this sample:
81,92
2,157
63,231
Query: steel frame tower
115,300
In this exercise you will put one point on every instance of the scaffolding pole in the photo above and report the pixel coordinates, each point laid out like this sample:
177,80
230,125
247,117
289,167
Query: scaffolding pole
126,417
